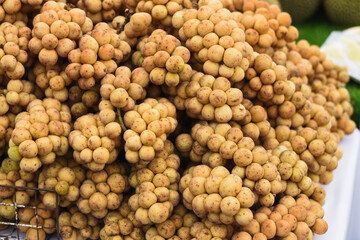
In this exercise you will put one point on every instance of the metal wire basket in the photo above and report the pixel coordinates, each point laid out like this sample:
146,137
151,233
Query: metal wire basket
13,232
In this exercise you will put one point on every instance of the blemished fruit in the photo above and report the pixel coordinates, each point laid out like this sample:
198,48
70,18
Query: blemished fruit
344,12
157,119
300,10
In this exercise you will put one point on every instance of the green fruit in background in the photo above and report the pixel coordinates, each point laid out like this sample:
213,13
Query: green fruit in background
62,188
273,2
14,154
345,12
9,165
6,211
300,10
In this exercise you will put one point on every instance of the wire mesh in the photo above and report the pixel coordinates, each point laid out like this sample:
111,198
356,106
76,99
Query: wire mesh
14,231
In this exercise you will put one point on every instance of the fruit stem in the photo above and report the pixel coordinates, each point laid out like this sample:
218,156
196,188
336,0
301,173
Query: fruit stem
121,120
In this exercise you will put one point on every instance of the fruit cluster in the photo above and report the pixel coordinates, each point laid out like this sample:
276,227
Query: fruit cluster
14,49
164,58
55,30
209,98
149,125
121,90
40,134
99,53
156,188
94,144
101,10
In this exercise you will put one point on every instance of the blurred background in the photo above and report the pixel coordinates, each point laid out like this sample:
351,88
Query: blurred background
316,20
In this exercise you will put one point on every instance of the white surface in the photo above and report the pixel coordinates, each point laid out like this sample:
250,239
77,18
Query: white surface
342,194
343,48
354,226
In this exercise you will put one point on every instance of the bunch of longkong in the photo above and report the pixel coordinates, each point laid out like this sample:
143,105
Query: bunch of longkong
165,119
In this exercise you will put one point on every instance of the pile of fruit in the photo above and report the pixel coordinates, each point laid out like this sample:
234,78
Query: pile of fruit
166,119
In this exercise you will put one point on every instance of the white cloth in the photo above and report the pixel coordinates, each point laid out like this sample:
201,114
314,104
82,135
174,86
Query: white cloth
343,48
